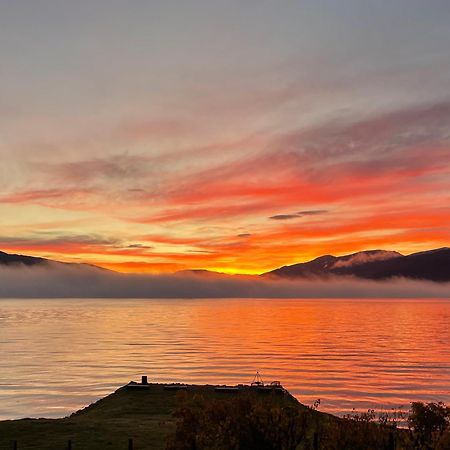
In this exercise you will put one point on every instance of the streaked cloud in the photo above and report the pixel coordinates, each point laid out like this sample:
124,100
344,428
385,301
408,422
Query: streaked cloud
284,216
171,147
312,212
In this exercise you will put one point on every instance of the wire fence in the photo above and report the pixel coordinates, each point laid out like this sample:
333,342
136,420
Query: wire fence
15,445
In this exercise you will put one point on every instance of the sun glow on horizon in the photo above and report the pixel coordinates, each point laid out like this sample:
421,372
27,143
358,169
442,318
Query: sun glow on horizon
151,141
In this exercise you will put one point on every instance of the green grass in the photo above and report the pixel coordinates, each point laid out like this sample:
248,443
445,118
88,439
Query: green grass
145,415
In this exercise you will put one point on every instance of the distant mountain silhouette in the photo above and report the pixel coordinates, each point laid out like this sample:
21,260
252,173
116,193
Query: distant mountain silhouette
11,259
197,272
8,259
433,265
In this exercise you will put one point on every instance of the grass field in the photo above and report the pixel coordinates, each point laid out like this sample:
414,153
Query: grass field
145,415
201,418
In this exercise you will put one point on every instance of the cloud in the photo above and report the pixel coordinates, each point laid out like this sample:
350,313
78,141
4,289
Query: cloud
46,243
337,187
389,156
44,196
139,246
312,212
67,281
284,216
376,137
51,239
115,167
207,212
361,258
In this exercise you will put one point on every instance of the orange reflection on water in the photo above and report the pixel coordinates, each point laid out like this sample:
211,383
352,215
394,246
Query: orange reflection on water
62,354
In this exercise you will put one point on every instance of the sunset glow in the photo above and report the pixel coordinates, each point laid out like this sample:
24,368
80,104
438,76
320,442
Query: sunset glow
148,146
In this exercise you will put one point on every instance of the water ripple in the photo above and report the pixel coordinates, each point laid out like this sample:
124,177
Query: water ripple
58,355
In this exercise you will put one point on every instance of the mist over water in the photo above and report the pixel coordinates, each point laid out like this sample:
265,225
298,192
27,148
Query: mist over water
59,355
82,281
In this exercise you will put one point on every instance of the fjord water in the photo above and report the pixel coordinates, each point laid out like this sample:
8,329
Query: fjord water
59,355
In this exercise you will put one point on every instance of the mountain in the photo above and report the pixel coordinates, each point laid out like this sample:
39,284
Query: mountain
433,265
11,259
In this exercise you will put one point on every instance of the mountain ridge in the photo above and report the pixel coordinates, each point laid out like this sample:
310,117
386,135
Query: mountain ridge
15,260
432,265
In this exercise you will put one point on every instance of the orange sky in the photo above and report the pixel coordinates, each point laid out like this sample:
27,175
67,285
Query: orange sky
214,136
278,205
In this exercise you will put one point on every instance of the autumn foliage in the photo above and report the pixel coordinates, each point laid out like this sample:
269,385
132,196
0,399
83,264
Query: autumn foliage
264,422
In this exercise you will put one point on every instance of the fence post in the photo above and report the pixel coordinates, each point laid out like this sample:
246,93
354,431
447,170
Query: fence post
14,445
316,441
69,444
391,441
130,444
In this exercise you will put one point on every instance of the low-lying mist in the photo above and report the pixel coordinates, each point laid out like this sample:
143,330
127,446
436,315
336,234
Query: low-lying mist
66,281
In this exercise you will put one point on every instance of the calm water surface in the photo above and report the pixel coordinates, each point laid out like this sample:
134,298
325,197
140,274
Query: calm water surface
58,355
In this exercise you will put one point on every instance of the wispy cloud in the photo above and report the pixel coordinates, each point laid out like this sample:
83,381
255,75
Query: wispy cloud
312,212
331,187
284,216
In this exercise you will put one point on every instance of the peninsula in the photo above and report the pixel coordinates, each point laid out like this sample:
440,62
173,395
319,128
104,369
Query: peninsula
151,416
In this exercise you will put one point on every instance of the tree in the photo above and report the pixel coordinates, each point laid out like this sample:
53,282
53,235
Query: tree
428,422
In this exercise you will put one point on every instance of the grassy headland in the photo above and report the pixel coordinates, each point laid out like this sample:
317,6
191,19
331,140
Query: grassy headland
199,417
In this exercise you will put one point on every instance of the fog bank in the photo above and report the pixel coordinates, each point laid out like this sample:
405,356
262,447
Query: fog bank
66,281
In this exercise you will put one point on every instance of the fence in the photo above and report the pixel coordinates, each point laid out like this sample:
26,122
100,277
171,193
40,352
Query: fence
15,445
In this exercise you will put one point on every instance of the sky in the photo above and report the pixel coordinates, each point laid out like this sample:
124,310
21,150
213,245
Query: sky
235,136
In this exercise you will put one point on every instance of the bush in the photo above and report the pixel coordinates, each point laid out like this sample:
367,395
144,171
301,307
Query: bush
249,422
241,422
430,424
